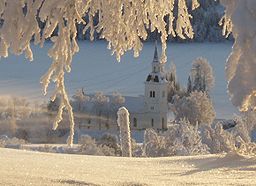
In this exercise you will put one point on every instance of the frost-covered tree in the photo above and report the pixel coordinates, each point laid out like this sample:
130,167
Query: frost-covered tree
80,98
240,19
196,108
189,86
205,21
14,107
116,102
202,75
100,103
125,133
122,23
173,85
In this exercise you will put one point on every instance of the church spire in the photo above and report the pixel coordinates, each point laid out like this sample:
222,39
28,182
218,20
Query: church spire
156,53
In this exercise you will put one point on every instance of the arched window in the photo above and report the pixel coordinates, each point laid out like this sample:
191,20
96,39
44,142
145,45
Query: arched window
135,122
151,94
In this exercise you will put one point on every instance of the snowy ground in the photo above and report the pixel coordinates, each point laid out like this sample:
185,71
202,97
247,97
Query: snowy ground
96,70
33,168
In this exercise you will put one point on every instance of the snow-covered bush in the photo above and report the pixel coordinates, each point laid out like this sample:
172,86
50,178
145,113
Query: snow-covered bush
180,139
236,140
107,151
89,146
6,141
241,129
154,145
196,108
184,139
111,141
244,133
125,134
245,148
217,139
137,149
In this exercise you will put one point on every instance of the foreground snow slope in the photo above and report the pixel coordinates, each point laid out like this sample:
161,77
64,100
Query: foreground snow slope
32,168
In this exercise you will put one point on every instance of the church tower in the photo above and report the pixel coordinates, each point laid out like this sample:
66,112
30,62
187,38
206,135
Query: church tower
156,104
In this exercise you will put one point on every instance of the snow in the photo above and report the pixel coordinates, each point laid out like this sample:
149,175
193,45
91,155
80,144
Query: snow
34,168
96,70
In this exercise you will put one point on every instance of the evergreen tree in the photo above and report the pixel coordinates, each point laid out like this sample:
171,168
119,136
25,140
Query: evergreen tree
174,87
189,86
197,81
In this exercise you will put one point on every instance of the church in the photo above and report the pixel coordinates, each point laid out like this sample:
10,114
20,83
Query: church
148,111
155,107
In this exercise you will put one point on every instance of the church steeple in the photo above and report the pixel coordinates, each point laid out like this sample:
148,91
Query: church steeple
157,66
156,53
158,73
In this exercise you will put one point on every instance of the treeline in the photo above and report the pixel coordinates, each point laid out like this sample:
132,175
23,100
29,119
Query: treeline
205,23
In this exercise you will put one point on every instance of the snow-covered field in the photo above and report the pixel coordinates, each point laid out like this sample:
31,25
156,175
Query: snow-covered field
33,168
96,70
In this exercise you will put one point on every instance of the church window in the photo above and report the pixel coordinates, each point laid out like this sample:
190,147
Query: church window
152,122
152,94
152,108
156,79
163,123
149,77
89,121
135,122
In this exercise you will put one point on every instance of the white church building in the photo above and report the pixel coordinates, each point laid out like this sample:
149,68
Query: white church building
148,111
155,107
